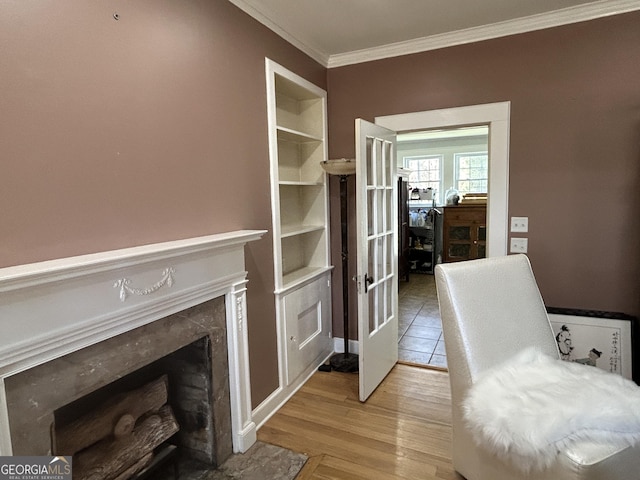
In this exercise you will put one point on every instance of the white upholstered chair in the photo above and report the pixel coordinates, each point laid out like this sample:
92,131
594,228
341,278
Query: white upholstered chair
491,310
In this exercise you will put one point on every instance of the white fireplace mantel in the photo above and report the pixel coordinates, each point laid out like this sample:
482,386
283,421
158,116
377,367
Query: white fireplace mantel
53,308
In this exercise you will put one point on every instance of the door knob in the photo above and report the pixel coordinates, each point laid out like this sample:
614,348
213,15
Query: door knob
367,281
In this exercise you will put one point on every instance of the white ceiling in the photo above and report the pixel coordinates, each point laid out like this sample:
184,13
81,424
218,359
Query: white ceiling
342,32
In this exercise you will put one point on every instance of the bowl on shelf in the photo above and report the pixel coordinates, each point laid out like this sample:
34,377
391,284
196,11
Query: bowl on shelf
339,166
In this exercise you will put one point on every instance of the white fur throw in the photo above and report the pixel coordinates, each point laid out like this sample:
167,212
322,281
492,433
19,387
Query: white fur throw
527,409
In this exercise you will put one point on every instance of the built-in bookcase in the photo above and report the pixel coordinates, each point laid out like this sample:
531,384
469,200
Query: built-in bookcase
300,211
298,123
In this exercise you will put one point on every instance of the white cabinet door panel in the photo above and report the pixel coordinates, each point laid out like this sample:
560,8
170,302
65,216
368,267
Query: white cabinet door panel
307,322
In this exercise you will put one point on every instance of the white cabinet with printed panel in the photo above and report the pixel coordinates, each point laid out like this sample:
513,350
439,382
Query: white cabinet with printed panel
300,213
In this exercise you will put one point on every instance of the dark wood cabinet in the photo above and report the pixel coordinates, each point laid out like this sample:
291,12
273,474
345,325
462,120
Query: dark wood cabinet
464,232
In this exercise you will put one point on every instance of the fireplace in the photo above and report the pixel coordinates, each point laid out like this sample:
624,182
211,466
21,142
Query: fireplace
189,346
75,326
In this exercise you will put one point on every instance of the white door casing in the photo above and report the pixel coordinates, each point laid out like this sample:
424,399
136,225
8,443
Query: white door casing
497,117
377,257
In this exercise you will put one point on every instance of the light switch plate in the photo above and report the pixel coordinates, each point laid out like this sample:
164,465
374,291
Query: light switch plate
520,224
519,245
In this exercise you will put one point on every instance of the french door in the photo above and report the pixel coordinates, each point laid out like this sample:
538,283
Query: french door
377,257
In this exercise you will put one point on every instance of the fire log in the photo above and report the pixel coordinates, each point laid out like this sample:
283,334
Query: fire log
124,426
135,468
111,457
109,417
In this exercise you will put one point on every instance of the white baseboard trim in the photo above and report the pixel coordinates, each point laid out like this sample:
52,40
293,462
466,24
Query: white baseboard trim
244,439
269,406
281,395
338,345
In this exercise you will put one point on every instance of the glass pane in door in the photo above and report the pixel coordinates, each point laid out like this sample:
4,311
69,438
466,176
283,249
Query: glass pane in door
379,259
381,307
388,301
388,266
379,163
372,256
388,192
369,160
372,310
371,205
388,158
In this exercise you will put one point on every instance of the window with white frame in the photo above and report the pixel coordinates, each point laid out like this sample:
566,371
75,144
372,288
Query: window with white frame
426,172
472,172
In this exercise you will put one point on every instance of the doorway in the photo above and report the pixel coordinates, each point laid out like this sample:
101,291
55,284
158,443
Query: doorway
421,310
437,165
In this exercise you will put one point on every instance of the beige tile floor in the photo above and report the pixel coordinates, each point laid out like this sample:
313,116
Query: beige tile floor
419,326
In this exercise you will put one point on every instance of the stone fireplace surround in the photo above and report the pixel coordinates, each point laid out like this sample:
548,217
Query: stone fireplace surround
184,345
56,310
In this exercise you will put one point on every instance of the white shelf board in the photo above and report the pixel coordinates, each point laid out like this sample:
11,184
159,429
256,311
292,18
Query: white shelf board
292,230
291,135
301,276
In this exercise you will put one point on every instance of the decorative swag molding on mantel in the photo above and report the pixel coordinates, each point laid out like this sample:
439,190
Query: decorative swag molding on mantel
53,308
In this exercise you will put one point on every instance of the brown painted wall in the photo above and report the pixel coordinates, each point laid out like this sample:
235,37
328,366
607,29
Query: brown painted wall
575,142
142,130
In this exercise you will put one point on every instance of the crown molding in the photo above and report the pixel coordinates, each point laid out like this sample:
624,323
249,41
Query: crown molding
600,9
317,55
565,16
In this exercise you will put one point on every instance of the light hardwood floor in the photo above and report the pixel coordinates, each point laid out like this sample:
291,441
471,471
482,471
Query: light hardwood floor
403,431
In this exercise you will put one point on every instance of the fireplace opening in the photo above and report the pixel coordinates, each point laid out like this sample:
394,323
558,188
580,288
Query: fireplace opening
124,425
121,436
